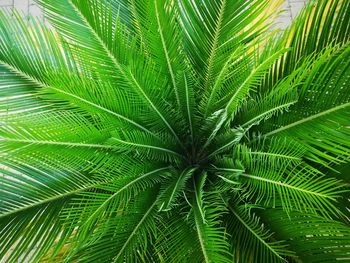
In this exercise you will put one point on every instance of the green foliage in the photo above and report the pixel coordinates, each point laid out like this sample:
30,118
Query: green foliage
175,131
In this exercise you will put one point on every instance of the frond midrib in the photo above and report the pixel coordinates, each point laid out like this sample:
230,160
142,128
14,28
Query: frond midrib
279,183
266,113
276,155
213,49
89,145
309,118
188,107
163,149
201,239
48,200
173,191
166,52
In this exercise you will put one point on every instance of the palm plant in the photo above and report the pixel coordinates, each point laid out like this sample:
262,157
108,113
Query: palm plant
175,131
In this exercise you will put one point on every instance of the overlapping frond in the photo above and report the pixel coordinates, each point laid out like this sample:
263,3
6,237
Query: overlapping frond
321,24
126,237
173,188
206,211
251,239
211,28
314,239
302,190
96,209
321,115
80,28
29,196
279,173
175,240
53,73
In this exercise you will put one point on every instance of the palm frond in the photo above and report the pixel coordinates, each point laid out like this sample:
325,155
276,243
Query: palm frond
34,227
279,173
207,211
322,24
162,32
174,131
29,200
309,191
174,244
173,188
249,232
274,153
100,206
142,144
252,80
32,72
211,28
323,92
79,25
123,236
262,107
302,233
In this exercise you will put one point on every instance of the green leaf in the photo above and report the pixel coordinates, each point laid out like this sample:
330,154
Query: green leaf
313,238
171,189
248,232
174,131
320,116
302,190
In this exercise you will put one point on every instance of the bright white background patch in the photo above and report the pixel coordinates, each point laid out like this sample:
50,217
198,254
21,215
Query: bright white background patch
292,7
